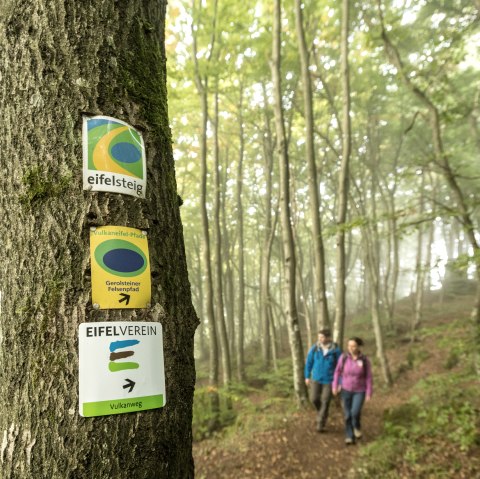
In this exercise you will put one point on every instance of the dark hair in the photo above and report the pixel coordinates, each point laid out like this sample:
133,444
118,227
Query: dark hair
358,340
326,332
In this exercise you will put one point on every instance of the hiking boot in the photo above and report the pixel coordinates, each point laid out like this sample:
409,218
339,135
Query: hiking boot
357,433
348,441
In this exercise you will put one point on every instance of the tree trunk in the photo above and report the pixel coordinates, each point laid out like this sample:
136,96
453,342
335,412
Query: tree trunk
419,268
228,276
199,303
323,320
58,59
202,88
372,255
295,339
374,276
218,262
340,296
241,259
266,254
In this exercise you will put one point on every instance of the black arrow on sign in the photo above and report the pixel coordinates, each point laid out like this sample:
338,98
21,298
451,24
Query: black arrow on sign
130,384
125,297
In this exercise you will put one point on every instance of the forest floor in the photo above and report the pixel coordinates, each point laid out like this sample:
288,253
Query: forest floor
294,449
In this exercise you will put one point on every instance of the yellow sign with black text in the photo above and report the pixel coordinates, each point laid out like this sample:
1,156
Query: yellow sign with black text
120,268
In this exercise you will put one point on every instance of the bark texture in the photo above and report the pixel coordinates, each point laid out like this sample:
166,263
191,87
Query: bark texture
59,59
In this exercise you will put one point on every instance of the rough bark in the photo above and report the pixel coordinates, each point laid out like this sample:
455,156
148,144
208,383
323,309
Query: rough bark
57,60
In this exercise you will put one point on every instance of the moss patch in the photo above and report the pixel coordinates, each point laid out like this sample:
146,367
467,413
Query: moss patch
143,74
39,189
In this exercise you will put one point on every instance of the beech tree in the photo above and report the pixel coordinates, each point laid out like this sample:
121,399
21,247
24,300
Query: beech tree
291,313
59,59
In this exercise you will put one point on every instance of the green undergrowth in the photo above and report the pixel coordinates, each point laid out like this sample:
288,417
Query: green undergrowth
436,433
257,405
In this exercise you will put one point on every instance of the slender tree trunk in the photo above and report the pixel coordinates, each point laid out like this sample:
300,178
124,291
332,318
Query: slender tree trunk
323,320
305,308
269,235
342,194
200,303
273,340
57,59
420,270
374,277
395,270
295,339
431,236
202,88
241,260
372,260
228,278
218,294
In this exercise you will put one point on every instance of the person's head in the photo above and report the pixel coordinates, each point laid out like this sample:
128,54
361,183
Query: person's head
354,344
324,336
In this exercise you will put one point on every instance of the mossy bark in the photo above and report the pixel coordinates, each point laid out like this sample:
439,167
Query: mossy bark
59,59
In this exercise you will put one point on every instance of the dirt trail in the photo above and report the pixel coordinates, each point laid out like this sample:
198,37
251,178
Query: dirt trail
296,450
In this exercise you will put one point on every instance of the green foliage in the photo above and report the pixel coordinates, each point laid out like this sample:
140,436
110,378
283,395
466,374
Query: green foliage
416,356
444,411
441,417
277,383
205,419
242,407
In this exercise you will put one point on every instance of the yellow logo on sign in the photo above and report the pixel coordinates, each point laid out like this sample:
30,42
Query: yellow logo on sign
120,268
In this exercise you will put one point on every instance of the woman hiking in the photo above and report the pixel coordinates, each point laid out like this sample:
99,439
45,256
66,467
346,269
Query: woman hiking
353,379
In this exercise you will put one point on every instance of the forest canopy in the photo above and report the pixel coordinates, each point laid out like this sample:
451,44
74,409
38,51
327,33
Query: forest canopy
407,77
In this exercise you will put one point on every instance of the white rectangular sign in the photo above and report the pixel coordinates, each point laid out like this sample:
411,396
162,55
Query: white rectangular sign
113,157
121,367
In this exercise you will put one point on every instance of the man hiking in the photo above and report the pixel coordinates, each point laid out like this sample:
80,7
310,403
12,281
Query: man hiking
321,362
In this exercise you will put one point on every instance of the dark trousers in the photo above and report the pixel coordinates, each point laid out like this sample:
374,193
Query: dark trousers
321,394
352,408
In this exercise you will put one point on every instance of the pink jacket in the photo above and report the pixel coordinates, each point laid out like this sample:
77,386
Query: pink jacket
354,377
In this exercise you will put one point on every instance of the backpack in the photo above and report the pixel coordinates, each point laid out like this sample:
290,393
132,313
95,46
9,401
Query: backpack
344,360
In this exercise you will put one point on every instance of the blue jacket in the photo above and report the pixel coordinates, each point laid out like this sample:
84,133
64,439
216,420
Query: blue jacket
320,367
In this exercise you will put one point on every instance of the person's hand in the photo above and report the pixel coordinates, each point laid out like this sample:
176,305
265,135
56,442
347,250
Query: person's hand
337,390
307,382
368,398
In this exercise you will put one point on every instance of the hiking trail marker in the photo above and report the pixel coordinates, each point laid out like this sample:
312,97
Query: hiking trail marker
113,157
121,367
120,268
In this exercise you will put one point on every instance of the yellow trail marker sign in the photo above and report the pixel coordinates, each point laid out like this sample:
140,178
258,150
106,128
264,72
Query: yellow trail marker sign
120,268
